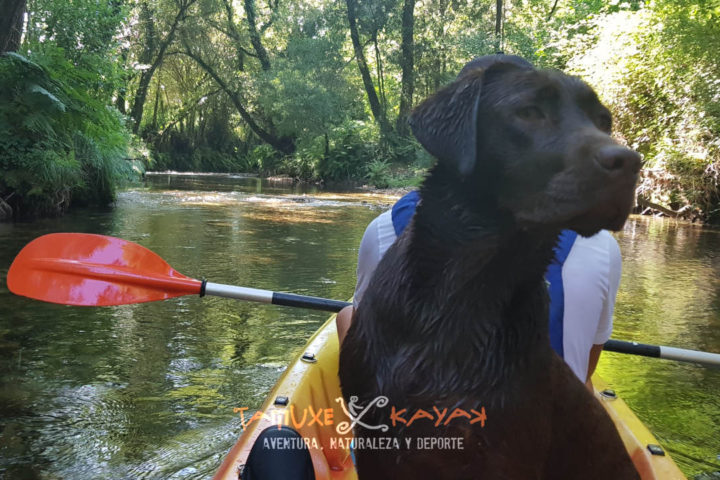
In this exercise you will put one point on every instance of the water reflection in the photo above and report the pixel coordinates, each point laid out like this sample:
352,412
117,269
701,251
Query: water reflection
669,296
147,390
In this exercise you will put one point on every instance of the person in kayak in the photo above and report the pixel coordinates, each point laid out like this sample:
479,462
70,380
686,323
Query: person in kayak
583,281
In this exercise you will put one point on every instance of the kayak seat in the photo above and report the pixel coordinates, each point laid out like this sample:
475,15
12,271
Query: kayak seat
278,454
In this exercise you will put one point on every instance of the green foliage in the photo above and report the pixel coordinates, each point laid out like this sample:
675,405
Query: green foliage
227,85
265,159
378,173
307,93
653,67
351,146
57,143
86,34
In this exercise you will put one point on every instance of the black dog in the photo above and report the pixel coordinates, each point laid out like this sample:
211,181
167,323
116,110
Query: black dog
456,314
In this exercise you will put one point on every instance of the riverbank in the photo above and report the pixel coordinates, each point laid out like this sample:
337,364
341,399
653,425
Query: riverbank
401,180
402,184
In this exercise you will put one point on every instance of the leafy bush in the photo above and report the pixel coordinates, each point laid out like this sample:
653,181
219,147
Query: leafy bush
662,88
265,159
57,143
379,173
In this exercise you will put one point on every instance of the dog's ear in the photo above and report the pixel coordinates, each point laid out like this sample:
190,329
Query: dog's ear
446,123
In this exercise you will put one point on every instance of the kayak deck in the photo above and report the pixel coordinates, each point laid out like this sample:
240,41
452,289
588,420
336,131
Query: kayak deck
307,397
309,385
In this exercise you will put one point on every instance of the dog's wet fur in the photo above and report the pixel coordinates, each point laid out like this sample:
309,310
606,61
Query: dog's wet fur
456,315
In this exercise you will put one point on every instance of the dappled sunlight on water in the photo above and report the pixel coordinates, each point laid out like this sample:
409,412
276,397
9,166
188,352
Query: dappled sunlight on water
291,216
195,198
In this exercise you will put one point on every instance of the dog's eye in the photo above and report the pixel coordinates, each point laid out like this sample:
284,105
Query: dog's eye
605,122
531,113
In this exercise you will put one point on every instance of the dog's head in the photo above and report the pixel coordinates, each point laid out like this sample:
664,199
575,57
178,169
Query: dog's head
536,141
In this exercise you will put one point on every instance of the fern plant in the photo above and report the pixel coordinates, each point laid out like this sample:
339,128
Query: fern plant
58,144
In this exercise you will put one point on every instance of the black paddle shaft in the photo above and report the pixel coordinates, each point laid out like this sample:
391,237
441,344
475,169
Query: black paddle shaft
634,348
302,301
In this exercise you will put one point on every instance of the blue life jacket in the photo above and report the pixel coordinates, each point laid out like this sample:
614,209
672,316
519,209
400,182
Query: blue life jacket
403,211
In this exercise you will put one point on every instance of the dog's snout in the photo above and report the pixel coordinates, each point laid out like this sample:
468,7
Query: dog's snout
616,159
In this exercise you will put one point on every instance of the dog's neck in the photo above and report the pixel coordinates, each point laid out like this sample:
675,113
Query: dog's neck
462,222
485,275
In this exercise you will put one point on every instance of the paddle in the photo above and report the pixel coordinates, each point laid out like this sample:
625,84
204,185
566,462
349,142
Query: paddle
661,351
96,270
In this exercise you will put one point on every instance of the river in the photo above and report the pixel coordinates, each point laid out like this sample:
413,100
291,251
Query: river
148,390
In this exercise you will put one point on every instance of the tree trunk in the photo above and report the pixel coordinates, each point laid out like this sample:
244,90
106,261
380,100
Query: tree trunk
255,35
6,211
498,25
155,109
552,11
380,75
407,64
375,107
140,96
11,24
146,77
234,35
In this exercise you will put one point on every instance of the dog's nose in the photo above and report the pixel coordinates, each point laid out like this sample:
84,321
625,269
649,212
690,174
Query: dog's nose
618,159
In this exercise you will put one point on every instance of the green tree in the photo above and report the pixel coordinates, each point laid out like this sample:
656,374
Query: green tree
407,64
60,141
57,144
154,50
655,68
220,67
374,21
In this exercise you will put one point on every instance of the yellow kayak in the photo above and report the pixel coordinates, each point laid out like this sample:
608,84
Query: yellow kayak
307,398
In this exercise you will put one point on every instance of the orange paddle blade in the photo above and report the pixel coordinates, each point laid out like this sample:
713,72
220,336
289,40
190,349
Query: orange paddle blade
94,270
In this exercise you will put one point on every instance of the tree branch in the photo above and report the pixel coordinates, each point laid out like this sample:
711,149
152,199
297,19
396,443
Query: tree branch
552,11
255,40
146,76
186,111
643,202
233,36
273,8
283,145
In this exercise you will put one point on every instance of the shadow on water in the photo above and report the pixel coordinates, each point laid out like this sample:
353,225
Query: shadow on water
148,390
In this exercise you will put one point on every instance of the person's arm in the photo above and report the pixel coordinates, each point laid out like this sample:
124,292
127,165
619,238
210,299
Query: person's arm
606,318
343,321
593,360
369,255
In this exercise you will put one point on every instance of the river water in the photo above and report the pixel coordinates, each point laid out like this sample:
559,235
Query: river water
148,390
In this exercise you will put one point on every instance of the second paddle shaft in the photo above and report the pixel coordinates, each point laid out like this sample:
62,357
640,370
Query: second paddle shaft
275,298
661,351
324,304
